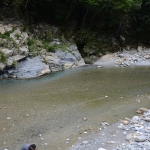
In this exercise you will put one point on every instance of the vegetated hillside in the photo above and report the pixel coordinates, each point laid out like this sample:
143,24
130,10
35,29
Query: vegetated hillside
88,22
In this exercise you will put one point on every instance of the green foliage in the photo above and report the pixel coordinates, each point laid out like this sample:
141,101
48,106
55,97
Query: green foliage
14,64
51,49
17,35
31,41
97,15
6,35
2,57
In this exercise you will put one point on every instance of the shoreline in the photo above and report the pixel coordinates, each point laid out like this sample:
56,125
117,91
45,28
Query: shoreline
128,134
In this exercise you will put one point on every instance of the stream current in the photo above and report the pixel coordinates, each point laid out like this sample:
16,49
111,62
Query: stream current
53,111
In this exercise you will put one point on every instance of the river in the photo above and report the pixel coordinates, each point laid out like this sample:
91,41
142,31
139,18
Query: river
53,111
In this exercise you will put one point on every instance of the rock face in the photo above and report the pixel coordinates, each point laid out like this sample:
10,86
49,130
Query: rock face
17,47
30,68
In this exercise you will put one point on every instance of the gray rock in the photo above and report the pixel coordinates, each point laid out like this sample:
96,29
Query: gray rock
129,137
141,138
135,119
29,68
7,52
70,57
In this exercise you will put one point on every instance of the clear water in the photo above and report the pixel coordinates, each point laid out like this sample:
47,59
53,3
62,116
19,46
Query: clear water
49,110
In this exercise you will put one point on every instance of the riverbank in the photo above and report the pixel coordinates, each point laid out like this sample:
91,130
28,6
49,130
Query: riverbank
26,53
126,58
128,134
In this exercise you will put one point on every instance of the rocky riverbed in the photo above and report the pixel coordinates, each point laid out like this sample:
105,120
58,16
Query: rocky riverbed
128,134
126,58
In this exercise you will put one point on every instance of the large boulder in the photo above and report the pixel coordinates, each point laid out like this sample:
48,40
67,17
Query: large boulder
30,68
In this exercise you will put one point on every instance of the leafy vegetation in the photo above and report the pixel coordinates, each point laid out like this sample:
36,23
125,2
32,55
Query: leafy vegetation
130,18
2,57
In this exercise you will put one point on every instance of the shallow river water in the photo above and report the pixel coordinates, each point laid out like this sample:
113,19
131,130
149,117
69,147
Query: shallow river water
53,111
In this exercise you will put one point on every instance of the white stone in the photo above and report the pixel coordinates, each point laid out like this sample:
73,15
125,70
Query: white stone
135,119
7,52
129,137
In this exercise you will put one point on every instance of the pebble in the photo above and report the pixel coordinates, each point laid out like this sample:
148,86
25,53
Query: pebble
111,142
129,137
8,118
85,119
140,138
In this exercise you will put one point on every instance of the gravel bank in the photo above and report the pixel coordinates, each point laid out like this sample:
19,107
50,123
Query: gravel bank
128,134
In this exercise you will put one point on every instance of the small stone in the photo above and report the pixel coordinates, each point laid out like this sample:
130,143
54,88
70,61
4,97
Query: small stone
124,132
143,109
8,118
106,123
139,112
140,138
111,142
85,142
147,119
126,122
101,149
90,128
85,119
46,144
135,120
129,137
